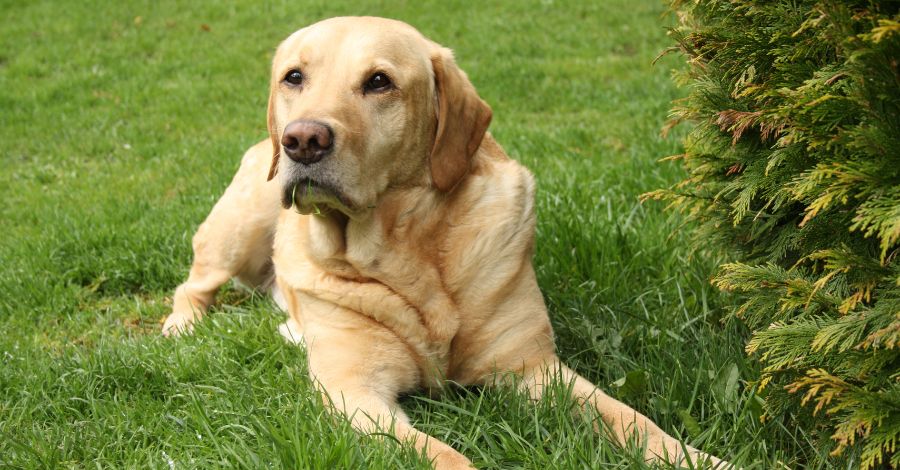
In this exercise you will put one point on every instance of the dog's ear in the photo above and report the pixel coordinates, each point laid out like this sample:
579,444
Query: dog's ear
273,135
462,120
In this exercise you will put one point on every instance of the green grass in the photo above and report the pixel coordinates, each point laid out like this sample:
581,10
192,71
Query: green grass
122,122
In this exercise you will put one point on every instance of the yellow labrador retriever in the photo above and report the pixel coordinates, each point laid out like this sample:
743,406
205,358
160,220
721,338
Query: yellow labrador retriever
400,234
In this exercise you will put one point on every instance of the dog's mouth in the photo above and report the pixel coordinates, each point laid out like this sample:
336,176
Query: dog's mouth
309,196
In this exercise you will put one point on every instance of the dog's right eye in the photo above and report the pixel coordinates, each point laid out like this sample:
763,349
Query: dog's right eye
294,77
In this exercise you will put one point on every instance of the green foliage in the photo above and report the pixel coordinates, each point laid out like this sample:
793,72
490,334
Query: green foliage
794,164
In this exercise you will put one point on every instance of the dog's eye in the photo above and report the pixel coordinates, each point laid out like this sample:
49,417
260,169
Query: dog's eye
294,77
378,83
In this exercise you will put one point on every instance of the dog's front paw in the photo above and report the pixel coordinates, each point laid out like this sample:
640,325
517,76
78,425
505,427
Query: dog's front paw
701,459
452,461
178,323
667,449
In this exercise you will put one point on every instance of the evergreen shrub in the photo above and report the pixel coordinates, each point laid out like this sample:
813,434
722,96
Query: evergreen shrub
793,162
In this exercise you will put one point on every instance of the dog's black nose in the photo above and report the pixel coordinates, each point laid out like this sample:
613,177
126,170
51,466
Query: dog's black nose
306,141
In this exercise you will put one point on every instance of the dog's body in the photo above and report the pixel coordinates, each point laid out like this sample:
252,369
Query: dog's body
400,233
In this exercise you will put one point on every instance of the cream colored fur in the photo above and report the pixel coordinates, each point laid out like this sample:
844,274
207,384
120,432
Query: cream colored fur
421,271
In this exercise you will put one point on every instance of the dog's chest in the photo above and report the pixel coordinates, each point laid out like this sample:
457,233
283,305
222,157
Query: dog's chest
364,272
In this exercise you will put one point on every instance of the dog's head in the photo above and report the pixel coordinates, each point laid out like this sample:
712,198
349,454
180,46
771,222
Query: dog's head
360,105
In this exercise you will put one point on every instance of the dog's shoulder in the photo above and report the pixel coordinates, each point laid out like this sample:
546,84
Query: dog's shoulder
491,229
498,191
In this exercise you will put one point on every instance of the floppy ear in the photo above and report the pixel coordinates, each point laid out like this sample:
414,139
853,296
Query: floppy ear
273,134
462,119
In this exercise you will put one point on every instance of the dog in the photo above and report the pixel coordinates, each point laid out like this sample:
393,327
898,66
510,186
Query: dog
396,233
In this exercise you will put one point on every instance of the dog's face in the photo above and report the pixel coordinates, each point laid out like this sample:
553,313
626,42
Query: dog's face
361,105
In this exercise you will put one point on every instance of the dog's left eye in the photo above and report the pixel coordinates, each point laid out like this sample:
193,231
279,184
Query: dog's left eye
378,83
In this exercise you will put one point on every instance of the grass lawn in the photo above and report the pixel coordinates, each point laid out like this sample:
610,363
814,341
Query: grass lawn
122,123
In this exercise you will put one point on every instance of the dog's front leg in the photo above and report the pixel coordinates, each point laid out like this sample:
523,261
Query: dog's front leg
370,412
361,367
621,420
235,240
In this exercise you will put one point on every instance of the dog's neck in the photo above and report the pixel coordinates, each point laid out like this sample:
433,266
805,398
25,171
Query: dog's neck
399,225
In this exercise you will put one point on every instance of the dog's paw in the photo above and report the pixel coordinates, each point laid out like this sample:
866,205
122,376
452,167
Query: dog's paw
291,332
449,459
702,460
669,450
178,323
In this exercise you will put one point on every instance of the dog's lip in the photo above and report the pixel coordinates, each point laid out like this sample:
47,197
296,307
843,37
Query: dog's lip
321,192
